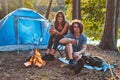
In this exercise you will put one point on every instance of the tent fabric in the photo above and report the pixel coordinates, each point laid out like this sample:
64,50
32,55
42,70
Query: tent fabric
24,27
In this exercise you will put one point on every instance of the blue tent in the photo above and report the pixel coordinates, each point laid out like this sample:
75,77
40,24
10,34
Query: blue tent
24,27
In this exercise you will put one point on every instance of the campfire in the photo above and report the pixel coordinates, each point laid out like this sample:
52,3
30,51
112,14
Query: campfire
35,60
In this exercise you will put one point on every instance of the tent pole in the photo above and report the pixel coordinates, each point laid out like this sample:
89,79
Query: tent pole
18,52
17,33
41,36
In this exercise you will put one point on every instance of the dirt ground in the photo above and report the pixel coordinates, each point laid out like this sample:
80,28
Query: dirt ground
12,68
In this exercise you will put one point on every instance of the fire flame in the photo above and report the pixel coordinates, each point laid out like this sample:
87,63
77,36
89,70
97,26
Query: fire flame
35,59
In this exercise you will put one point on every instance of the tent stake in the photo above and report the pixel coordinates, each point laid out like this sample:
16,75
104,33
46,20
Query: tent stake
111,71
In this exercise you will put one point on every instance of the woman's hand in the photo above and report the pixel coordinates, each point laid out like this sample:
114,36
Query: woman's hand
52,31
55,31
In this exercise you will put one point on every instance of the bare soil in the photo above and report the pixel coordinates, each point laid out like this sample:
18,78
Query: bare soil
12,68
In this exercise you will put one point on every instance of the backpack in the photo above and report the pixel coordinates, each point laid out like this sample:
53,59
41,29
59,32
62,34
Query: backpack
92,61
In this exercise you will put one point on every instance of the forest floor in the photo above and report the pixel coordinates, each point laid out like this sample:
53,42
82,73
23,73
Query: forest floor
12,68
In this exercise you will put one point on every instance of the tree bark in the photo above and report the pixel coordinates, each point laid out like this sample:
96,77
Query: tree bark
109,37
4,7
48,10
116,19
76,9
0,11
20,3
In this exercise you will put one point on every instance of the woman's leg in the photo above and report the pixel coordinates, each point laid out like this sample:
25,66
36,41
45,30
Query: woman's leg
48,51
50,43
56,43
53,51
47,55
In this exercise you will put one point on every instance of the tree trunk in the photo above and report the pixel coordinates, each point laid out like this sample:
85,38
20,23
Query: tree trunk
20,3
48,10
109,38
0,10
116,18
76,9
4,7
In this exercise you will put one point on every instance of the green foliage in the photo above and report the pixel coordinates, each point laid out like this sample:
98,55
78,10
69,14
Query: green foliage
69,12
68,9
119,48
68,1
93,12
119,32
119,29
28,4
93,16
0,7
12,5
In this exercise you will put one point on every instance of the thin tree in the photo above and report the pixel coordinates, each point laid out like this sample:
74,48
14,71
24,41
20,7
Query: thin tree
76,9
0,10
4,8
116,18
109,37
48,10
20,3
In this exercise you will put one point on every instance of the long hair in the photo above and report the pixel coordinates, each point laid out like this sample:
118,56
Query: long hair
80,26
56,18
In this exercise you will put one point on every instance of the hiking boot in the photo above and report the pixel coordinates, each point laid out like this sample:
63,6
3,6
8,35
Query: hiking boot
44,57
79,66
72,63
48,57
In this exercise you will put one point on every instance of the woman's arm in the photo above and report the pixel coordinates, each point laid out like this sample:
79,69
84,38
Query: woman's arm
65,29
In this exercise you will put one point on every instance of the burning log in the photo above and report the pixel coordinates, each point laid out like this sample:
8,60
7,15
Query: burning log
35,59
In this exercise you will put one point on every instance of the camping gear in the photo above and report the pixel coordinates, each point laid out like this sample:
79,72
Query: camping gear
61,49
92,61
23,27
104,66
79,66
